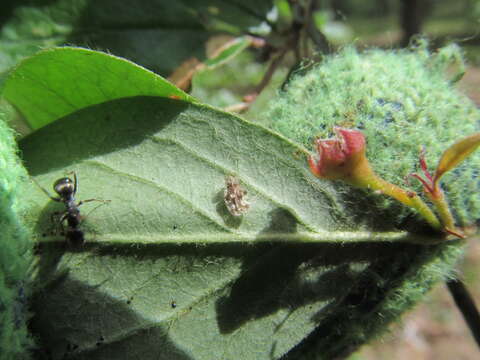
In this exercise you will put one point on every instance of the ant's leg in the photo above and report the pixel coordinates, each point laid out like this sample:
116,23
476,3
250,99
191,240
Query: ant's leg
62,222
90,200
45,191
103,202
54,218
75,181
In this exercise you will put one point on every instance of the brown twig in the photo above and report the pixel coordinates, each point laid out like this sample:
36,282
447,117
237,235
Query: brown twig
465,303
267,77
271,70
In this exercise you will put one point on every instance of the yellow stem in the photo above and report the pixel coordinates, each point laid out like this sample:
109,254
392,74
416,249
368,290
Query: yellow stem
440,202
408,198
426,212
360,174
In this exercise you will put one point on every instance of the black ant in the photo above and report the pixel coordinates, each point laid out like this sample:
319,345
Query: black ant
66,190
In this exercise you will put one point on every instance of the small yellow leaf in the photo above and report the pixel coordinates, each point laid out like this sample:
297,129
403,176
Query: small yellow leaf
456,153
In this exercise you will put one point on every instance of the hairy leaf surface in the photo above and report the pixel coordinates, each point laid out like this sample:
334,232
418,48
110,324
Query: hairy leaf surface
166,271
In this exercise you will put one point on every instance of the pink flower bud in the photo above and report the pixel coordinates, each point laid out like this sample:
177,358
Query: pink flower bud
341,157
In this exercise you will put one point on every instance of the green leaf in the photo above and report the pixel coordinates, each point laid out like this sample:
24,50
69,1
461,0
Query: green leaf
228,51
76,78
163,163
16,256
167,272
221,54
456,153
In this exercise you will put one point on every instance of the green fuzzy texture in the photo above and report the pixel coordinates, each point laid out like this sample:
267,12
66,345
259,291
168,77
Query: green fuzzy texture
15,255
400,100
391,286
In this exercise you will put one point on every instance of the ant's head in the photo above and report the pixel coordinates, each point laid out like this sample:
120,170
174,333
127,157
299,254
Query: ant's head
64,187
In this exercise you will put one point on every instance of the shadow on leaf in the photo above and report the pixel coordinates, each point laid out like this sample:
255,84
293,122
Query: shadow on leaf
74,321
97,130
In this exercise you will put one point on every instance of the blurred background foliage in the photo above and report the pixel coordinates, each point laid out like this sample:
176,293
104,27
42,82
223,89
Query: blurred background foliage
163,35
382,23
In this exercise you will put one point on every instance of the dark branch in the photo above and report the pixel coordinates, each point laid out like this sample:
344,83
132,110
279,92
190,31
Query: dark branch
465,303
